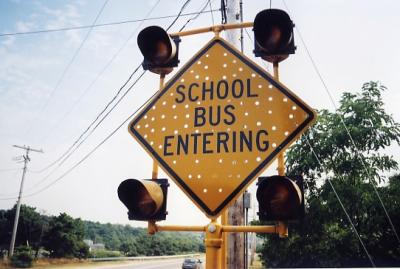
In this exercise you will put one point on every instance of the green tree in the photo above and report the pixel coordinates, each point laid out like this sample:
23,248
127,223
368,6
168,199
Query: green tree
65,237
325,237
129,248
23,257
31,226
136,242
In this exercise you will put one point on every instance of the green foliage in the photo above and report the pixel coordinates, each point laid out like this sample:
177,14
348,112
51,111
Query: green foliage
325,237
62,236
129,248
22,258
136,242
102,253
110,235
31,226
65,237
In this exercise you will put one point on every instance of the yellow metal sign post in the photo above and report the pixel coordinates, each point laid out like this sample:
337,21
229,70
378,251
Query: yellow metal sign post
214,127
214,236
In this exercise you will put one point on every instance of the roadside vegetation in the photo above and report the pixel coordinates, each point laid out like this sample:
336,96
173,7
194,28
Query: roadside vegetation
326,237
59,237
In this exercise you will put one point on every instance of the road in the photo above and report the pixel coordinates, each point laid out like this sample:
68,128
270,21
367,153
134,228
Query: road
159,264
166,264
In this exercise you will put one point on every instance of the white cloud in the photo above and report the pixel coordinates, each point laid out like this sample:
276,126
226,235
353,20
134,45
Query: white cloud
81,3
65,16
62,17
24,26
18,74
74,38
8,41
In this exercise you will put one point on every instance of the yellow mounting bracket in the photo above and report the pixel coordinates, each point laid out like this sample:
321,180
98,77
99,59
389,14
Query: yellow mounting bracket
216,29
214,239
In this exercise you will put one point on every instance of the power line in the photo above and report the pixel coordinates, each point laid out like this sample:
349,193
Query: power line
66,157
71,61
196,15
103,70
44,31
91,84
88,154
106,115
66,153
90,125
104,140
84,158
92,151
212,13
358,153
75,55
179,14
92,131
341,204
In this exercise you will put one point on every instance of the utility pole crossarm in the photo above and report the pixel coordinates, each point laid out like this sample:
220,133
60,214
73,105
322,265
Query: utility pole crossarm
29,148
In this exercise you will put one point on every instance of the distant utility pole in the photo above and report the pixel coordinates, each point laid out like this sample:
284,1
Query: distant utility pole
235,246
26,160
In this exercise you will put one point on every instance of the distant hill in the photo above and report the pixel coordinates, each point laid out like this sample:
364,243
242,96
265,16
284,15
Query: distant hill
45,232
136,242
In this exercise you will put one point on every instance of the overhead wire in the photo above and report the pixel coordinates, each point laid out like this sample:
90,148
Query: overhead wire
106,115
95,148
110,62
358,153
195,16
90,125
341,205
179,14
91,84
66,155
71,61
212,13
44,31
65,158
85,157
335,192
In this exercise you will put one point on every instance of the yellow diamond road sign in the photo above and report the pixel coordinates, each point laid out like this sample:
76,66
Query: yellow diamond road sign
218,123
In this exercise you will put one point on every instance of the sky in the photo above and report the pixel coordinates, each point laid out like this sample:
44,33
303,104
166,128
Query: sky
47,106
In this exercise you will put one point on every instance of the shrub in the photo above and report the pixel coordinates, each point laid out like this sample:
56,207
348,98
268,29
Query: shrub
104,254
23,257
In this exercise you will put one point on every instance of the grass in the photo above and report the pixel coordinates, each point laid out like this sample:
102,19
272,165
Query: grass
69,263
58,263
73,263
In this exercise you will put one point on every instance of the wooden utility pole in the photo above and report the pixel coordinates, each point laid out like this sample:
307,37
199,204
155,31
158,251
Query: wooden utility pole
26,160
253,241
235,241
